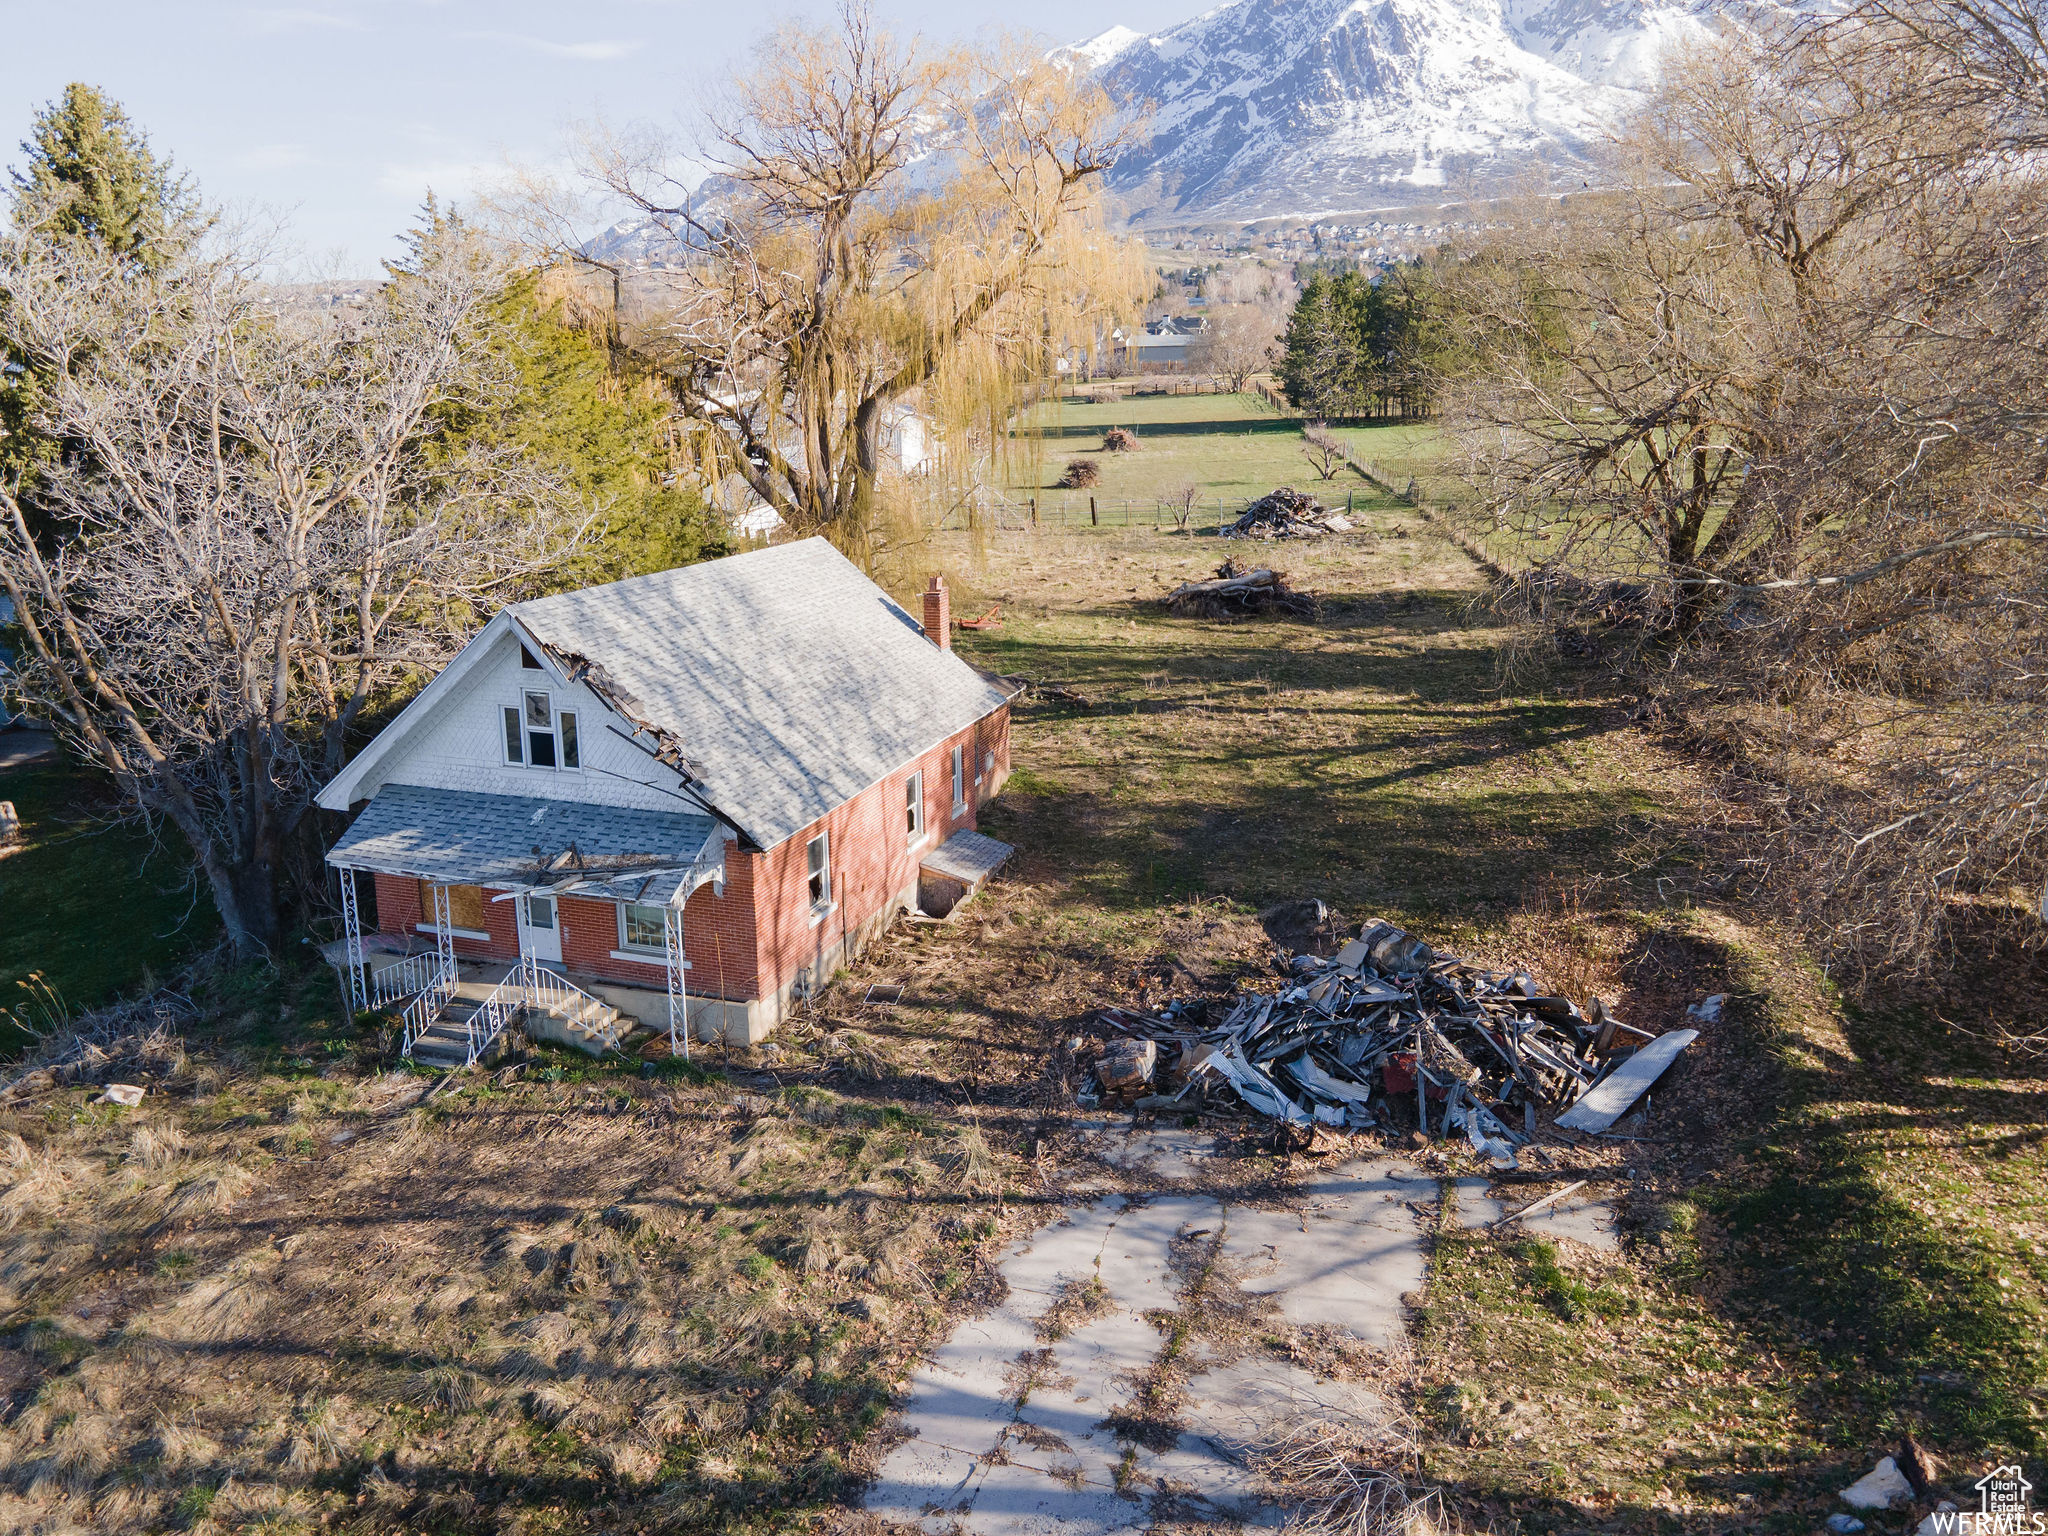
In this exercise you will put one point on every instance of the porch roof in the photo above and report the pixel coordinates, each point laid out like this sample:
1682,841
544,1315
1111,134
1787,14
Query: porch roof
457,837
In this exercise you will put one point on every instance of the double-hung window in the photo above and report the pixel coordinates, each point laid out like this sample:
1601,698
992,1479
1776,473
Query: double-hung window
642,927
913,807
540,736
959,780
819,858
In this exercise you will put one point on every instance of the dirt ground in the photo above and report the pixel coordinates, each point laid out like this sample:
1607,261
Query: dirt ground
291,1293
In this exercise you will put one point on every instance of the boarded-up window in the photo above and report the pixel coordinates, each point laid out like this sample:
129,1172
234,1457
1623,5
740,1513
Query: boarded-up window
465,906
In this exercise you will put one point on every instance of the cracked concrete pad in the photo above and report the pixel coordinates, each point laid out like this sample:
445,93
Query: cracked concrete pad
1228,1408
1346,1255
1476,1208
980,1460
1067,1250
1020,1499
1092,1372
1163,1152
1136,1250
1581,1217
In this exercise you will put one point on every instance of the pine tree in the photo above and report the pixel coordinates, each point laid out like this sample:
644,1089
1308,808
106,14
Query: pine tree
91,172
570,407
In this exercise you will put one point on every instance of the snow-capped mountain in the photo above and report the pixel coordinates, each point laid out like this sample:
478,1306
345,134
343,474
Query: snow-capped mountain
1263,108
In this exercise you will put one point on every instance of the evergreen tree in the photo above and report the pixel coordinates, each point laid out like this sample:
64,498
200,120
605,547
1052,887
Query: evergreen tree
1360,344
1319,353
601,428
92,173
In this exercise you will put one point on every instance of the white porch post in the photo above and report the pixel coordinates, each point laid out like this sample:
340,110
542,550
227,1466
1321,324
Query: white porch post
520,912
444,939
352,937
678,994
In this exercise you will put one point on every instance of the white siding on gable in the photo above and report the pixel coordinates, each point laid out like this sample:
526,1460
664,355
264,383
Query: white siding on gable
461,744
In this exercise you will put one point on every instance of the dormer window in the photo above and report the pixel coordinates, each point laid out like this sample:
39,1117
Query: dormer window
538,735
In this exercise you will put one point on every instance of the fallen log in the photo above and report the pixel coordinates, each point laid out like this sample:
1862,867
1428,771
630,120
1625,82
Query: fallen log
1260,591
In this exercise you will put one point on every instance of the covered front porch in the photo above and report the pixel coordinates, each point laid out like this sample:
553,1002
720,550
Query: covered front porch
473,857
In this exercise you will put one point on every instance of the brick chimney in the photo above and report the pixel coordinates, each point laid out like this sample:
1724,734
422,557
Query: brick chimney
938,614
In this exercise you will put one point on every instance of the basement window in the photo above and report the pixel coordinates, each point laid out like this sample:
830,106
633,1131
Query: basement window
820,861
913,807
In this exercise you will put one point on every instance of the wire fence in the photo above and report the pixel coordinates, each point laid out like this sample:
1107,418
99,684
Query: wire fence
1079,510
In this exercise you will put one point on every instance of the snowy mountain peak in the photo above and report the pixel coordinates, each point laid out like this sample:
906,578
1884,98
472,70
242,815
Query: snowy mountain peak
1265,108
1104,46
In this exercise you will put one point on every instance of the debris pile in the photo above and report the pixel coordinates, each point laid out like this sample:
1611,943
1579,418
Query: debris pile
1286,514
1386,1021
1119,440
1237,593
1080,475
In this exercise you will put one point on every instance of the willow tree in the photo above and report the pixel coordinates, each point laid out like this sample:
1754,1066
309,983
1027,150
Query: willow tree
885,230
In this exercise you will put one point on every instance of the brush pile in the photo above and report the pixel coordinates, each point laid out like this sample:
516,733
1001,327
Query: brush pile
1387,1022
1286,514
1119,440
1238,594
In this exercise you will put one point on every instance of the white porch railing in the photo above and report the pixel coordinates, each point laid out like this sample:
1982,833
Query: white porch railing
415,973
506,1002
550,991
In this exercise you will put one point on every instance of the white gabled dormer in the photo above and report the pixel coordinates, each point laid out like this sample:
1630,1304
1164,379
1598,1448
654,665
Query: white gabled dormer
503,719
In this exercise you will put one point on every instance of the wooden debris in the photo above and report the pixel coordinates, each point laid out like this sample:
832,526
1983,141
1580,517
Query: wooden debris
1606,1102
1286,514
1389,1021
1236,594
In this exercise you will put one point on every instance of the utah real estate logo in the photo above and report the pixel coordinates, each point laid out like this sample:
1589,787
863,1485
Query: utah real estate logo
2005,1509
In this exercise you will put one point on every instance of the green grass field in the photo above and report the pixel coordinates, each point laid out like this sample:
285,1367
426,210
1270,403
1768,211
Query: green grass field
1234,447
95,908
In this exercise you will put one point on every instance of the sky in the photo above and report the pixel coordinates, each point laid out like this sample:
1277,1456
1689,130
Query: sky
339,115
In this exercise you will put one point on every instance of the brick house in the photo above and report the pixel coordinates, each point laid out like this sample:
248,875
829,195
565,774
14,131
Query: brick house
682,798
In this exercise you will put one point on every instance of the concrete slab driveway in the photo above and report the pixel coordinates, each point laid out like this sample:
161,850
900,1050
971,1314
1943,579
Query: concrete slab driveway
1125,1375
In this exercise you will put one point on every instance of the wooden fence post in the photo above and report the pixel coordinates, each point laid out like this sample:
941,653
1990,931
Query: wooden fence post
1034,511
1094,521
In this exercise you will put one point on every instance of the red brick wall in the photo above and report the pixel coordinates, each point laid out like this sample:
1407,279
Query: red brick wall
871,856
718,938
753,939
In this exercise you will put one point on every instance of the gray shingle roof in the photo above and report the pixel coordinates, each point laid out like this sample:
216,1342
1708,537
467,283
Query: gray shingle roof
458,837
789,681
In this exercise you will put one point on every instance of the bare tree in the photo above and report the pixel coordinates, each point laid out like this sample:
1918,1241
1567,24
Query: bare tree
258,532
1323,449
1184,500
1237,344
1778,399
885,228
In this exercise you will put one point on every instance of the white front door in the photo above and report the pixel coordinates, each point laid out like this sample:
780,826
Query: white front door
540,927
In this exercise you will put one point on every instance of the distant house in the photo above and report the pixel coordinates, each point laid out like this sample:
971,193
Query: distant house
680,800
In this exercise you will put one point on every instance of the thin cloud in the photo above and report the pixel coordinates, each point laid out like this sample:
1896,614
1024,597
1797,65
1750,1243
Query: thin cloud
274,157
595,52
273,19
